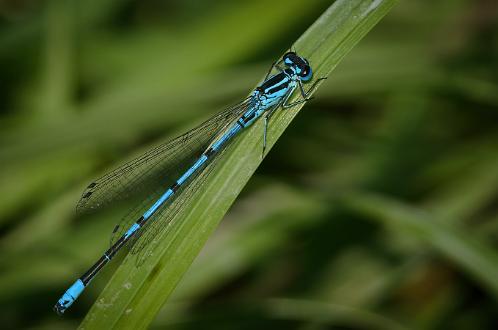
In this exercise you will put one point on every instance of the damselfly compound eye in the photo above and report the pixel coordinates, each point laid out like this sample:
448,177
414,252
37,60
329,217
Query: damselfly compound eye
306,73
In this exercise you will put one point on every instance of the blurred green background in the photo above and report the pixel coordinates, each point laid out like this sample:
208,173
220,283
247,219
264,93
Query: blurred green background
377,209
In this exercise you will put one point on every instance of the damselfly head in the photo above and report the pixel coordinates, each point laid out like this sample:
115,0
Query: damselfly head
291,58
299,64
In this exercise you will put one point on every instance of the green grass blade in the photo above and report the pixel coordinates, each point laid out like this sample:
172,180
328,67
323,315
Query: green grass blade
472,255
134,295
326,315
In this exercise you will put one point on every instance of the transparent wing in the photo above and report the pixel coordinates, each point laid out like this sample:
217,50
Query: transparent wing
146,243
162,218
159,166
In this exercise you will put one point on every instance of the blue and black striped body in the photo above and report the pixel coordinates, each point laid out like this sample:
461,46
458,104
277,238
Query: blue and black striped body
272,93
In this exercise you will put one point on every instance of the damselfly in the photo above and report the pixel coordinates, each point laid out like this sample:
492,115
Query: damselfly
204,143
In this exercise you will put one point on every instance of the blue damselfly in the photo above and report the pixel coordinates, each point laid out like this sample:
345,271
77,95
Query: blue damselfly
176,163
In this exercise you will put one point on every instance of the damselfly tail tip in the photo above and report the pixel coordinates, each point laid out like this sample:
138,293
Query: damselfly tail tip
59,309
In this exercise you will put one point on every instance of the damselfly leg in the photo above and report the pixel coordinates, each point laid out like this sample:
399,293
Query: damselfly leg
304,94
275,65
